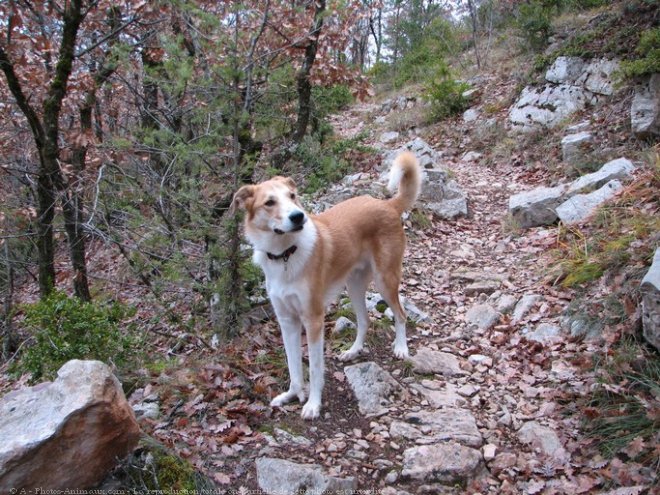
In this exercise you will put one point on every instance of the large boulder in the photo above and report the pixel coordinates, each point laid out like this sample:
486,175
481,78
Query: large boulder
645,109
280,477
598,76
565,70
547,107
651,302
620,169
67,434
536,207
581,206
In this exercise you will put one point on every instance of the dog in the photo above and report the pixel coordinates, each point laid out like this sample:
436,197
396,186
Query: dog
308,259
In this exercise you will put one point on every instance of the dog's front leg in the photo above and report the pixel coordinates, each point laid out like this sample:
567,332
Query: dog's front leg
291,329
314,327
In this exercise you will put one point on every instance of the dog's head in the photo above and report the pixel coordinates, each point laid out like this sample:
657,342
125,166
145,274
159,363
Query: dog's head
271,206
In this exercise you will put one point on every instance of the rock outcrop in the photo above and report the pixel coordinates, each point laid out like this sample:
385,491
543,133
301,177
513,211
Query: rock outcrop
66,434
645,109
573,84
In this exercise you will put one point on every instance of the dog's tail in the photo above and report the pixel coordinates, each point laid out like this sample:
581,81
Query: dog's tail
405,173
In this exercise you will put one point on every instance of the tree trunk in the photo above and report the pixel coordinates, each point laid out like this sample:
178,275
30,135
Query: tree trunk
302,76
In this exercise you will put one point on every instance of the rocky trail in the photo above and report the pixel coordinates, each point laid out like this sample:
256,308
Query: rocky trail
477,410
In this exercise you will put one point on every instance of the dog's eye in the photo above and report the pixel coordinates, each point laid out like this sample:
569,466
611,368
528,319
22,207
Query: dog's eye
293,195
270,202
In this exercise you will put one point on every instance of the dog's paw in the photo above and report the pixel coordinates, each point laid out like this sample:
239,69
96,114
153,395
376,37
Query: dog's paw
286,397
400,351
350,354
311,410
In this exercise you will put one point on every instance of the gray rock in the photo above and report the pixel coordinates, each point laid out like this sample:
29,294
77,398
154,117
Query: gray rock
147,410
448,463
439,194
440,394
280,477
472,156
544,439
456,425
467,275
470,115
579,127
565,70
575,147
506,303
65,434
483,316
286,438
547,107
645,109
536,207
523,307
481,287
389,137
372,386
581,206
427,361
650,289
471,94
621,169
342,324
545,333
598,76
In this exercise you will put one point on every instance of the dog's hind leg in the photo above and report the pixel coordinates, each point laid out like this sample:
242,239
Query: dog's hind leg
291,334
356,286
388,286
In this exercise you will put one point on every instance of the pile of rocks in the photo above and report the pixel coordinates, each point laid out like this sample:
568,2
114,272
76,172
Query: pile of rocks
570,203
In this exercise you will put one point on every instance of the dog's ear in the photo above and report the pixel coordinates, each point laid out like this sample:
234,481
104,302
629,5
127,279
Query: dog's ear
287,180
241,199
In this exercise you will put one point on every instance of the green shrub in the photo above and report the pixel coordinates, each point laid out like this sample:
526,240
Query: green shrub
445,93
65,328
648,49
331,99
534,22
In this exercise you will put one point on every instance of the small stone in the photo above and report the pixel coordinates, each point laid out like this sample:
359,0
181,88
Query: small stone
281,476
468,390
544,439
480,359
523,307
391,477
471,156
372,386
489,451
650,289
342,324
506,303
502,461
483,316
545,333
429,361
481,287
389,137
448,463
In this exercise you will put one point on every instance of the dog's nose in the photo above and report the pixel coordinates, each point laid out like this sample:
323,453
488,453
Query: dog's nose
297,217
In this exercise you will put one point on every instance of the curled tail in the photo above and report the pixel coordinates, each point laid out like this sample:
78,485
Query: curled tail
406,174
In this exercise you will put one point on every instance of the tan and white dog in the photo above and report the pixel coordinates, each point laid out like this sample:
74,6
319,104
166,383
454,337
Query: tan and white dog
309,259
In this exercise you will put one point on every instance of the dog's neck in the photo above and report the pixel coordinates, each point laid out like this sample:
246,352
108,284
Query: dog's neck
284,256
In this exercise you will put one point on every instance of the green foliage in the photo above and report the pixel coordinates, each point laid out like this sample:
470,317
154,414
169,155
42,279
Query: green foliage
65,328
326,162
445,93
648,50
332,99
621,414
534,21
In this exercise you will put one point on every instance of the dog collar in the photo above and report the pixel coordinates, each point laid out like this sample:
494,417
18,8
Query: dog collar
284,256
